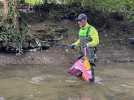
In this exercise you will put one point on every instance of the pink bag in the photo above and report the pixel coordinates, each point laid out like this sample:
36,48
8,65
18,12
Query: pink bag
78,70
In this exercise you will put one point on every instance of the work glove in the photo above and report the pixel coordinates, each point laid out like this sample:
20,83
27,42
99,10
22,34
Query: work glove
72,46
88,45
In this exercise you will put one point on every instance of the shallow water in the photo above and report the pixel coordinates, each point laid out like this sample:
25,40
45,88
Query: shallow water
41,82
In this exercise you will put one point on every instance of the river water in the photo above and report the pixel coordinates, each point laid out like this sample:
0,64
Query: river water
43,82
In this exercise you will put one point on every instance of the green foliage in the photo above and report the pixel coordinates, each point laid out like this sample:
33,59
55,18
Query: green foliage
125,7
11,30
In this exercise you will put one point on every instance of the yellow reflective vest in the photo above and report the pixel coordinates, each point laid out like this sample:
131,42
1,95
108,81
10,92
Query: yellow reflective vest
92,34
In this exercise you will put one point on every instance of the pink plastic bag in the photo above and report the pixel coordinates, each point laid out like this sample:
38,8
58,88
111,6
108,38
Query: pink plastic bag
87,75
78,70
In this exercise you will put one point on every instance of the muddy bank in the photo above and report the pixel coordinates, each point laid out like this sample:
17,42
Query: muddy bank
34,57
49,57
111,49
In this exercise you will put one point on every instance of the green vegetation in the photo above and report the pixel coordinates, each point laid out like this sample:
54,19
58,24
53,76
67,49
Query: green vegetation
124,7
11,29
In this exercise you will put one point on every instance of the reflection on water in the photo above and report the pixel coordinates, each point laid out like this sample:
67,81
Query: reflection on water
39,82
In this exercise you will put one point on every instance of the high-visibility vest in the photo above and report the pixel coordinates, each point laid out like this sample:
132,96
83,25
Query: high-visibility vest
34,2
92,34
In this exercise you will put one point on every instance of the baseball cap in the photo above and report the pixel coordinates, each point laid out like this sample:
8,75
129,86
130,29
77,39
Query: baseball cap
81,16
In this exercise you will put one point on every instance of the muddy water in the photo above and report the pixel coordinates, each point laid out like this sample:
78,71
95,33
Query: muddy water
42,82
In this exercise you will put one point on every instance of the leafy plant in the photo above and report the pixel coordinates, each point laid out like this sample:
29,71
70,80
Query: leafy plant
125,7
13,29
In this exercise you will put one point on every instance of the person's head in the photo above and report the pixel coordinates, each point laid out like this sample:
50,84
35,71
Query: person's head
82,19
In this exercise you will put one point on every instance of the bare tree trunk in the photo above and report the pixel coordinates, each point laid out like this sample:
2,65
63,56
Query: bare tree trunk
17,26
15,16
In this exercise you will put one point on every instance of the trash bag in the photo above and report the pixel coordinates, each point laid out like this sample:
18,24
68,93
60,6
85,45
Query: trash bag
76,69
80,69
86,69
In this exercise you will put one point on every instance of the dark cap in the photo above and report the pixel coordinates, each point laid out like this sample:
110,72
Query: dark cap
81,16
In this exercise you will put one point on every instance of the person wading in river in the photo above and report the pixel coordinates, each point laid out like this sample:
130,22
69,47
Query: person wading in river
88,37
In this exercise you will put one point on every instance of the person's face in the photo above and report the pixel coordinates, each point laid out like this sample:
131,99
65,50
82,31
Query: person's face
82,22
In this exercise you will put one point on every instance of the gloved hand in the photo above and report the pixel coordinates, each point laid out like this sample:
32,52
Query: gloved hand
87,45
72,46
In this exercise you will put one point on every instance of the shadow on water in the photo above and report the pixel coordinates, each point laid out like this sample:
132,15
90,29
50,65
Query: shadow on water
41,82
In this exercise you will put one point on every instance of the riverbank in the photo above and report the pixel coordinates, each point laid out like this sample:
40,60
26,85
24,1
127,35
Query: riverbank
111,49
